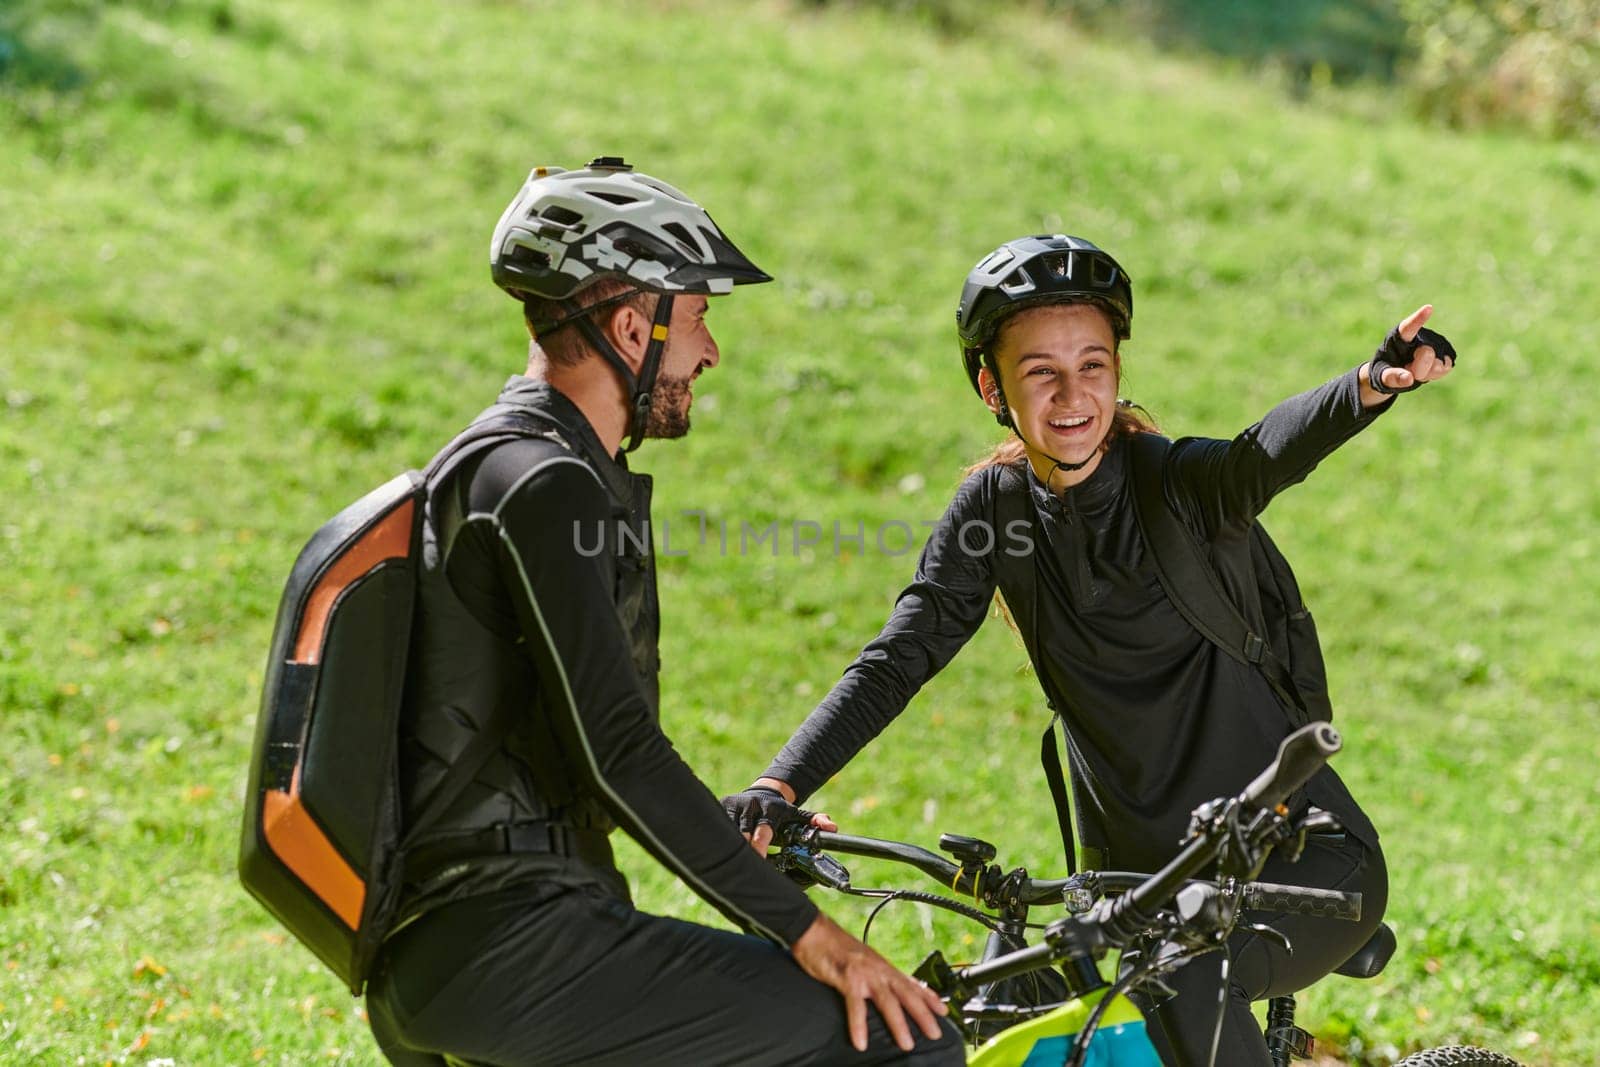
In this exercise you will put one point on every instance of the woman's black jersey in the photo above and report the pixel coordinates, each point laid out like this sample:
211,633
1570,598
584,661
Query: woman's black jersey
1159,719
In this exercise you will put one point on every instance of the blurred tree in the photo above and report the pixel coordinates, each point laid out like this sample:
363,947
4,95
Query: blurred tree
32,51
1528,62
1337,40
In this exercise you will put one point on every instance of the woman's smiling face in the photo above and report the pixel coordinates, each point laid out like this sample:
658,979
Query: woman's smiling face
1059,370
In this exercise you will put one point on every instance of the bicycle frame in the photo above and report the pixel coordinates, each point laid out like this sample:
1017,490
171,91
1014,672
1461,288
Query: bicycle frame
1121,1038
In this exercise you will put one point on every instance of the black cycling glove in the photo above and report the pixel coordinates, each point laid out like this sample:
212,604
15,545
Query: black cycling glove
760,805
1397,352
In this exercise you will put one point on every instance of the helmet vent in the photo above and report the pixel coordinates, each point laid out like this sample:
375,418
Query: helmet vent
685,238
1059,266
523,256
615,198
662,188
561,216
1017,283
637,249
997,259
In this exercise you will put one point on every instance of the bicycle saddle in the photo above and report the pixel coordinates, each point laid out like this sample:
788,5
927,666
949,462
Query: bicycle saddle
1369,960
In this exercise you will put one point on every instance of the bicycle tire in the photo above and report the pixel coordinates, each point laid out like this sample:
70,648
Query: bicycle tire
1457,1056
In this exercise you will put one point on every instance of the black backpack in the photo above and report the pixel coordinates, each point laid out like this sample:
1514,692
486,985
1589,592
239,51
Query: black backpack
322,833
1288,655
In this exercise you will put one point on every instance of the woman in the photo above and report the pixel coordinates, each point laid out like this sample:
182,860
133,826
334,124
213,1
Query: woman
1158,718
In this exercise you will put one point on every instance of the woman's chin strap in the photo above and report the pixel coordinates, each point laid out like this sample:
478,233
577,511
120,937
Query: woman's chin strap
1060,465
1002,415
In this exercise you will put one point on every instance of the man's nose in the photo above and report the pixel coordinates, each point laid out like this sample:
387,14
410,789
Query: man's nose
712,355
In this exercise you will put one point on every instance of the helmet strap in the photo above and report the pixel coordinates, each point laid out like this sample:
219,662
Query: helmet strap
1004,418
572,311
638,387
1002,413
648,370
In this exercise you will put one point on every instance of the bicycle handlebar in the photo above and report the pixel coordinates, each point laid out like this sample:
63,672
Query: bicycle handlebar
1248,825
1301,755
929,863
1258,896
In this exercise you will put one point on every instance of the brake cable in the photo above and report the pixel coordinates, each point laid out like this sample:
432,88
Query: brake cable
888,896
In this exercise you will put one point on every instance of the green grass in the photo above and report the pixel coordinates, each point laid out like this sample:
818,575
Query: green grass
243,281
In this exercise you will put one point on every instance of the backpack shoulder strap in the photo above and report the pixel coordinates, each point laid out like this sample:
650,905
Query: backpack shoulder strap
1011,502
1190,581
498,425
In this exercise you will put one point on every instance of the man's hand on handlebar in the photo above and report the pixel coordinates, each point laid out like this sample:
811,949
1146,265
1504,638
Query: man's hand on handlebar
830,955
768,806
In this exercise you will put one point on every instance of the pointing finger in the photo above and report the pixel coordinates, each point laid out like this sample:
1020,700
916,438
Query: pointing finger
1415,321
762,838
822,821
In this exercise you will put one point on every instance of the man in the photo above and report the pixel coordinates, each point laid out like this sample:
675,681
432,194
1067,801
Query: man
534,660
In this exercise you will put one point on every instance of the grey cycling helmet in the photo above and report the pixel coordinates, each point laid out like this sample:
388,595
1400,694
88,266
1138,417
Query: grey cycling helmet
1029,271
567,228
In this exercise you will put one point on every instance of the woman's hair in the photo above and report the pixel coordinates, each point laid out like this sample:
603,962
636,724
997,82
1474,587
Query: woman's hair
1128,419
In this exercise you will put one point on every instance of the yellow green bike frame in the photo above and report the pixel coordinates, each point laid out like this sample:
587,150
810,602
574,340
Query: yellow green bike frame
1120,1041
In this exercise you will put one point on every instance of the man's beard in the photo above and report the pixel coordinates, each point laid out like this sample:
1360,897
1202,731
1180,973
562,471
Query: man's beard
669,408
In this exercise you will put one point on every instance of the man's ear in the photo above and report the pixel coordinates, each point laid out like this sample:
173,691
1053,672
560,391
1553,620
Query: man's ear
629,333
990,390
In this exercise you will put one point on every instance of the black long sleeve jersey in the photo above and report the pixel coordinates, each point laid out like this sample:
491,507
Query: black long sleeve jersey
1159,719
541,607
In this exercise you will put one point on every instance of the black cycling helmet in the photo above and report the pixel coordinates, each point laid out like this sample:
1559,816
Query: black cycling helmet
1029,271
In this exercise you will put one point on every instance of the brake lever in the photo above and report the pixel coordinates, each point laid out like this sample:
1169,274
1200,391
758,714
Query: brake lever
1317,821
1268,932
809,867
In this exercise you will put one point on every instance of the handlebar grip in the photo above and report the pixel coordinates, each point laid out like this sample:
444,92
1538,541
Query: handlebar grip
1301,755
1302,900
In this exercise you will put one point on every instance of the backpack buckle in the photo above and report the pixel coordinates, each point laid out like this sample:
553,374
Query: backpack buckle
1254,647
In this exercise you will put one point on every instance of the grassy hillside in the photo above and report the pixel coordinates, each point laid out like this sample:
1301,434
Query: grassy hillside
243,281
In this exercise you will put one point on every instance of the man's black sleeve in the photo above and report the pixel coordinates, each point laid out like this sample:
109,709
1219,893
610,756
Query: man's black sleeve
1229,483
934,616
602,717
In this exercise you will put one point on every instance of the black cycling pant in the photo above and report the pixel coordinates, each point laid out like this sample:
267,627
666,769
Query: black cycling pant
1260,968
548,975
